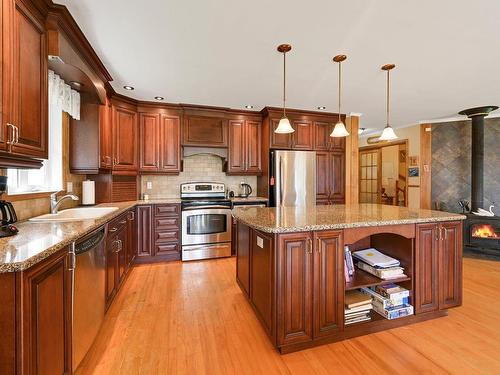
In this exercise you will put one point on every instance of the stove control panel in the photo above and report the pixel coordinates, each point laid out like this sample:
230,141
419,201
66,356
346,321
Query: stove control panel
202,189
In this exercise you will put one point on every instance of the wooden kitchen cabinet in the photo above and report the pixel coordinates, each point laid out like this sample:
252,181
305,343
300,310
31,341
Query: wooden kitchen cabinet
46,316
243,257
322,139
105,136
438,266
24,81
330,177
159,137
204,130
144,223
244,152
295,272
132,237
125,136
303,137
328,283
279,141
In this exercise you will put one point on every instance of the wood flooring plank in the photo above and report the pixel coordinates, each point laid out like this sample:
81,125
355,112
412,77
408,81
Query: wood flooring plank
191,318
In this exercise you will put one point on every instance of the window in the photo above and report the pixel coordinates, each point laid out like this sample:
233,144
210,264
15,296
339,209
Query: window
50,176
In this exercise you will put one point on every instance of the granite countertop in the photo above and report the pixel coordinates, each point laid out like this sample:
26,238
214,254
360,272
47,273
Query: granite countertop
297,219
37,241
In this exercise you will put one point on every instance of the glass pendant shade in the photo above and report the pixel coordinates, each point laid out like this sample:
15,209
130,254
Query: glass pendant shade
339,130
388,134
284,127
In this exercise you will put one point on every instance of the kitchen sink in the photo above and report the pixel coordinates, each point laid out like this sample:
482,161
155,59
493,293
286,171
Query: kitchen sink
76,214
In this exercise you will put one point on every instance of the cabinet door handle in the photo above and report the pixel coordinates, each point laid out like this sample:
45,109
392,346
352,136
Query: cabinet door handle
123,221
17,134
318,245
132,216
12,137
113,230
445,233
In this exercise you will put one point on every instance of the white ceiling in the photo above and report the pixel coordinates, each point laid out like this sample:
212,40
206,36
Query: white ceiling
223,52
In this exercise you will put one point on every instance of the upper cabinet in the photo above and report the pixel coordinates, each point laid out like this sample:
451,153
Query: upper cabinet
301,139
205,129
125,136
24,127
105,136
159,138
244,153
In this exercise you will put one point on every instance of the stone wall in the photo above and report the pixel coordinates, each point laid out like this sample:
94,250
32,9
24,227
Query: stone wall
451,164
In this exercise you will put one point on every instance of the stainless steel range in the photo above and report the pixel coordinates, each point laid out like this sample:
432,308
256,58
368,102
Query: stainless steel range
206,221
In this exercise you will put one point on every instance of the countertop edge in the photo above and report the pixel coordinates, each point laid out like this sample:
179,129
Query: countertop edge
308,228
44,254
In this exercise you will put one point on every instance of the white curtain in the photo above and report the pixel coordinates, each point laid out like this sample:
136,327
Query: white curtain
65,98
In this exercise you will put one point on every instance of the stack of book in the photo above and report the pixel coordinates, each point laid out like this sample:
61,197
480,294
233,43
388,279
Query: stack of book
391,300
378,264
357,307
348,264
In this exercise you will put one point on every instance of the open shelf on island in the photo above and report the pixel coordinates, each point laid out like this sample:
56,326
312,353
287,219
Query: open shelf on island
363,279
376,318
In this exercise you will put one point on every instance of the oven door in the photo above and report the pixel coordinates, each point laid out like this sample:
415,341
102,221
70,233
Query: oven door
206,225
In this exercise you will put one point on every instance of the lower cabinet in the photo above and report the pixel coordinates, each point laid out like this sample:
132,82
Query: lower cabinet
46,316
158,233
309,270
438,266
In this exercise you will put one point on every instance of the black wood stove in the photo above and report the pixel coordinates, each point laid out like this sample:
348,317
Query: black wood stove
481,233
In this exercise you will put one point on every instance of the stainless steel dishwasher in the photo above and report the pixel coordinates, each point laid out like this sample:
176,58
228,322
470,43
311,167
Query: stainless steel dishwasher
88,291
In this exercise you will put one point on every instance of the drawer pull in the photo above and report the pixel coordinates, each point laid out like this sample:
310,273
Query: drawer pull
113,230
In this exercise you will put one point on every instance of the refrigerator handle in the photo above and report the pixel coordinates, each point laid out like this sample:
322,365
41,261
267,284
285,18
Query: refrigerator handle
280,181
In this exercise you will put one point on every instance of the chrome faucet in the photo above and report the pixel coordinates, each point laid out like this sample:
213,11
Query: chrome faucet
55,203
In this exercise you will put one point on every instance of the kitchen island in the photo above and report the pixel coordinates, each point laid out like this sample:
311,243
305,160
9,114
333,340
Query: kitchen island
290,265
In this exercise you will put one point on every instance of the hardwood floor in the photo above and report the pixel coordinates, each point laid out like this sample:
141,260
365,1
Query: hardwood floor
191,318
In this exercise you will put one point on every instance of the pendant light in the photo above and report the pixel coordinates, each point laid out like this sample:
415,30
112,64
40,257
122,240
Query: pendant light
284,126
339,130
388,132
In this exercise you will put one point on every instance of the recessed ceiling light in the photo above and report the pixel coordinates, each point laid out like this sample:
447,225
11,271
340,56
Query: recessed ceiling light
361,130
159,98
249,106
322,107
130,88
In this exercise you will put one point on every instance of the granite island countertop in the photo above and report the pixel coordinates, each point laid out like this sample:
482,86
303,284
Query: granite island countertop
302,219
37,241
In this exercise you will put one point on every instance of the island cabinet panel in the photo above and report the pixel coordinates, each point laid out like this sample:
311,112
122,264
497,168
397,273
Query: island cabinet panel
262,279
438,266
208,131
426,266
243,257
295,296
46,316
450,265
328,283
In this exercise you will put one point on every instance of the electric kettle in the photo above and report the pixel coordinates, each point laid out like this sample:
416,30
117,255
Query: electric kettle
7,212
245,190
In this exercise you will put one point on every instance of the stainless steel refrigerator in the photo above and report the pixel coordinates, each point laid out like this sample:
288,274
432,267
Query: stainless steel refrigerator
293,178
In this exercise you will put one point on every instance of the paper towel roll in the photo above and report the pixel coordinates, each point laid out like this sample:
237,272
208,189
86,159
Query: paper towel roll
88,192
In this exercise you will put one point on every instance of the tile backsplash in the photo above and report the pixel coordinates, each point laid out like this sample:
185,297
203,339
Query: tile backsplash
201,167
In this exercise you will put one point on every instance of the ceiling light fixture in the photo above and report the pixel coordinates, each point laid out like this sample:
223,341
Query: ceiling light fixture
322,108
284,126
129,88
339,130
249,106
388,132
159,98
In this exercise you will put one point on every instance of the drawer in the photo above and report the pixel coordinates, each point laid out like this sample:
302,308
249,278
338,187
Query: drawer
167,236
167,248
116,224
162,223
167,209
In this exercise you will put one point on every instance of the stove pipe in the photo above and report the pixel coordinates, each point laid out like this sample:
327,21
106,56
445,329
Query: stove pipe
477,116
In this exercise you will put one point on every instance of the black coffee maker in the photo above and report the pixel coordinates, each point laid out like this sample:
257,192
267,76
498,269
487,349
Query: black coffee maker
8,214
